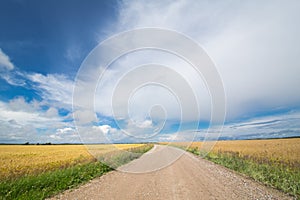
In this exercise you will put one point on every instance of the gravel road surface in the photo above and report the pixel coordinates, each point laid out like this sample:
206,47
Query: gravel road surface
189,177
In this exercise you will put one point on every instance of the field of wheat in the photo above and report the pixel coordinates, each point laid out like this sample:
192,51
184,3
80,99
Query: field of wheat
282,151
20,160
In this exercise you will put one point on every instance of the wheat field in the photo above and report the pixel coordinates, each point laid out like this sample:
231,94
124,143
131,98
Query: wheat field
286,151
20,160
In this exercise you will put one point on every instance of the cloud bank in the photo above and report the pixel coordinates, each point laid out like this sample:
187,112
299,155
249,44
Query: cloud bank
254,44
5,61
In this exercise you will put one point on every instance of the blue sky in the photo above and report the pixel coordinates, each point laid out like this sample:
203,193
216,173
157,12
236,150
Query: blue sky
52,36
254,45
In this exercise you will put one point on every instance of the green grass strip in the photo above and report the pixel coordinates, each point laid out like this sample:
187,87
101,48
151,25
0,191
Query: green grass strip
281,177
49,183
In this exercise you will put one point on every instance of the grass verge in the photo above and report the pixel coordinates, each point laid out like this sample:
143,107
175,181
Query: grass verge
282,177
50,183
118,158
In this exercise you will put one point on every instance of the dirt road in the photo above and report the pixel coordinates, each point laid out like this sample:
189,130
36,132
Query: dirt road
189,177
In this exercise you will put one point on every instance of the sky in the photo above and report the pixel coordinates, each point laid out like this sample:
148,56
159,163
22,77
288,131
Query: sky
45,46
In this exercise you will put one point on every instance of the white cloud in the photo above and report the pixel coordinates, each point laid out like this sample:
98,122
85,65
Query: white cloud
19,104
105,129
7,71
280,125
95,134
255,45
24,113
269,126
55,137
84,116
64,135
53,87
51,112
13,78
22,121
145,124
168,92
21,112
64,130
12,133
5,61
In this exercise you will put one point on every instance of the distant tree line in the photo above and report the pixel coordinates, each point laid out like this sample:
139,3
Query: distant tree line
47,143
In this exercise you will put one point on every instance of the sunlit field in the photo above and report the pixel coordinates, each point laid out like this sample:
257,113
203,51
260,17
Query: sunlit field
284,151
21,160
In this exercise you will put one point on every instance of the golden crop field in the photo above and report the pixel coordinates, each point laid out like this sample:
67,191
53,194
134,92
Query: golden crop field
19,160
275,150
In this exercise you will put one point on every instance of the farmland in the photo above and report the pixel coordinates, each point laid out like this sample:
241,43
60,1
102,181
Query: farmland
39,171
20,160
274,162
280,151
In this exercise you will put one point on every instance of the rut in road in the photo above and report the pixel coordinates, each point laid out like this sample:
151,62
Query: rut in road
189,177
